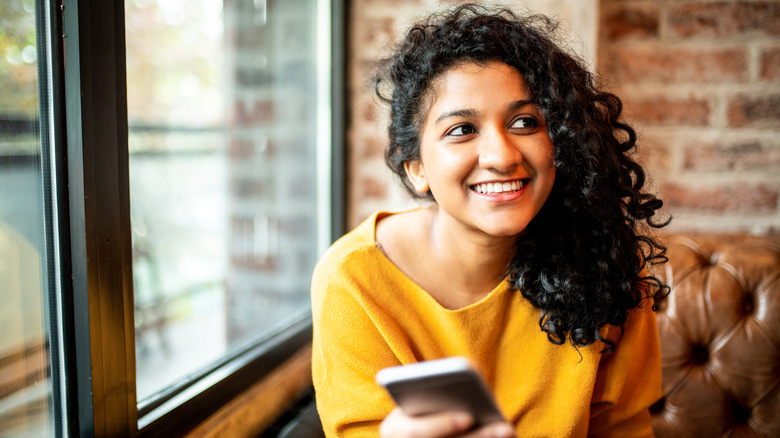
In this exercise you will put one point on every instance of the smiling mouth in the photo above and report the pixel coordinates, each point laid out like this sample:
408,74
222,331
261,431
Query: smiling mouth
498,188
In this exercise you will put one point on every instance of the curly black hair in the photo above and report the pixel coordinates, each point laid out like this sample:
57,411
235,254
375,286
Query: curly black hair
585,257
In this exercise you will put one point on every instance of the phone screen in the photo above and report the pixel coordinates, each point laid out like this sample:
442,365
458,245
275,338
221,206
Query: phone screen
440,385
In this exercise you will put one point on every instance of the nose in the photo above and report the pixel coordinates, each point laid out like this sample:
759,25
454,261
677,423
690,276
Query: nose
498,152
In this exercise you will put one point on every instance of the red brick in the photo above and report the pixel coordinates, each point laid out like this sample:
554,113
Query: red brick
251,188
620,21
373,188
296,225
377,31
724,19
241,150
745,156
770,65
245,255
368,110
736,197
255,263
692,112
653,155
257,113
371,148
754,111
677,65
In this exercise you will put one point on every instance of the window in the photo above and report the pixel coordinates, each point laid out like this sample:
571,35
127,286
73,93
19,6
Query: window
25,409
223,187
31,328
170,171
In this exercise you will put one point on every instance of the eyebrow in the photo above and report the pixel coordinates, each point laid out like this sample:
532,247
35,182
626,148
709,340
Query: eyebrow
457,113
469,112
521,103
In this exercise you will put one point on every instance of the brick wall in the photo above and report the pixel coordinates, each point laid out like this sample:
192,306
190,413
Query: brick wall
701,83
271,160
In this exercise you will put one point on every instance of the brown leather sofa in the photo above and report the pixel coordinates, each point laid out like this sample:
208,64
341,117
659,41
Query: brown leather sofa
720,338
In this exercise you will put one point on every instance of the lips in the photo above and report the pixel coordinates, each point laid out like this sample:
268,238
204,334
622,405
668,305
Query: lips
499,187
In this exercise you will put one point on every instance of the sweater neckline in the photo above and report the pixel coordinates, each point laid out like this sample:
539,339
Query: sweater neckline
420,293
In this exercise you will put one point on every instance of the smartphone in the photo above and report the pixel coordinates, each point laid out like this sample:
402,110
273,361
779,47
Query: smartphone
450,384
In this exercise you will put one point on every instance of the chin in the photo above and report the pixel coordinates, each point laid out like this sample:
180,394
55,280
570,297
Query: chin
503,231
512,233
506,227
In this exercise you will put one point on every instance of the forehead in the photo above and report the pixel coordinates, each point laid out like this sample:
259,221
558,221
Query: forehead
472,82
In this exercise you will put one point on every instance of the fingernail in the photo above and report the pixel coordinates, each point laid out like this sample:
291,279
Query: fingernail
502,430
463,420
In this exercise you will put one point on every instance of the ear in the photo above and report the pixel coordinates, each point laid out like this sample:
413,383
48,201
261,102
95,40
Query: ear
416,173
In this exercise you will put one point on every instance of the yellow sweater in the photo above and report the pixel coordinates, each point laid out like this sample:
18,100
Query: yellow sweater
368,315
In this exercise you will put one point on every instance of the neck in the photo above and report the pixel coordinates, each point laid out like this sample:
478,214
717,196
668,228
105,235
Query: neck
474,259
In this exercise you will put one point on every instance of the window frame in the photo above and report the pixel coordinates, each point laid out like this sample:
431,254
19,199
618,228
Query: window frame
56,255
94,218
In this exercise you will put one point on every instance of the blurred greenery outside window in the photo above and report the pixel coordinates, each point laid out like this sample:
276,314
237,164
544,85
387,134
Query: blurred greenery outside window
25,386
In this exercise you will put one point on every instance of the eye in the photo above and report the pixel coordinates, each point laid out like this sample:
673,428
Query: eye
525,122
461,130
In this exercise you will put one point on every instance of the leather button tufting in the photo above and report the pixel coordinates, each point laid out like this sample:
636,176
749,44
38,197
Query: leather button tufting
741,413
718,333
714,257
658,407
748,304
700,354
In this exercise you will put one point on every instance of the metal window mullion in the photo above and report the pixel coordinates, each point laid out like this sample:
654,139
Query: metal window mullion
56,225
338,102
96,120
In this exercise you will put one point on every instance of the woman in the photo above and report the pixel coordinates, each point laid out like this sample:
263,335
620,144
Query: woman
530,260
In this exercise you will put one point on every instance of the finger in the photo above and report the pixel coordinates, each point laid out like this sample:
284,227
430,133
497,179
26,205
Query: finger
399,425
493,430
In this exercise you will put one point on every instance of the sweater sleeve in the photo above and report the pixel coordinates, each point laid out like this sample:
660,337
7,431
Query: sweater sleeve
348,350
629,380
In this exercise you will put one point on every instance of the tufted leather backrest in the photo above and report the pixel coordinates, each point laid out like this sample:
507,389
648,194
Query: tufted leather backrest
720,338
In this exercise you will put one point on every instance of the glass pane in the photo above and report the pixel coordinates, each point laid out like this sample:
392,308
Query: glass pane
223,176
25,379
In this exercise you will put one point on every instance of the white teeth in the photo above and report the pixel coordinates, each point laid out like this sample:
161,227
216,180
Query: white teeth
494,188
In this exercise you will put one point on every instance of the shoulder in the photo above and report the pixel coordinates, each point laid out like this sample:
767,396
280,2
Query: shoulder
354,247
354,260
639,328
395,234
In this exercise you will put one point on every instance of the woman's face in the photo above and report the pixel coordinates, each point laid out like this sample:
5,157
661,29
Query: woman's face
485,153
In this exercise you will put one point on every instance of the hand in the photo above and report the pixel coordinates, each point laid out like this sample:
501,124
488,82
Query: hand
446,424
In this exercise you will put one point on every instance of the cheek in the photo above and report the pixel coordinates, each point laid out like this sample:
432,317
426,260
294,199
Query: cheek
551,178
546,163
446,164
543,154
550,148
549,154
